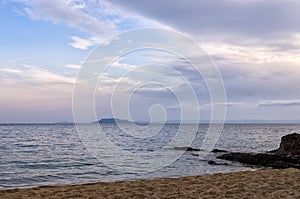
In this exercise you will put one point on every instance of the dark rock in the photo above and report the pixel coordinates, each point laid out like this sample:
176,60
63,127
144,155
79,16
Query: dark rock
186,148
219,151
266,160
192,149
288,155
211,162
272,151
290,145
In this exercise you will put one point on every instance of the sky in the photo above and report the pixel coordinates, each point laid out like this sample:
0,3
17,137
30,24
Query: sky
255,45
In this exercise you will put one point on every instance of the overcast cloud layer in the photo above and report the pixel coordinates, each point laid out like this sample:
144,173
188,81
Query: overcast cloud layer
255,43
252,18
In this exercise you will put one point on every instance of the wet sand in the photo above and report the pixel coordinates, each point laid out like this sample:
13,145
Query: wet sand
267,183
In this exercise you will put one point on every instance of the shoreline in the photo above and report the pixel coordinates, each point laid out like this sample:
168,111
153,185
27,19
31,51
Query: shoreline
261,183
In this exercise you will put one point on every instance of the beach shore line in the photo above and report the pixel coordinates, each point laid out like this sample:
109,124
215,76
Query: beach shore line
262,183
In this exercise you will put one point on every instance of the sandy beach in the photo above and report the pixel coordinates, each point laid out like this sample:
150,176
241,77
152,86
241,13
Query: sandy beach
266,183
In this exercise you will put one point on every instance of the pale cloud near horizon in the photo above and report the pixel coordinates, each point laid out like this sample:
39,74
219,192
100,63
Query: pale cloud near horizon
32,94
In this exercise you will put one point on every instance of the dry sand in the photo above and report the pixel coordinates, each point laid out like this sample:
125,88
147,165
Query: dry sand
268,183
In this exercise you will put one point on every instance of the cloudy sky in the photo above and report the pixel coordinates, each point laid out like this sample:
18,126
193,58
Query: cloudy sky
254,43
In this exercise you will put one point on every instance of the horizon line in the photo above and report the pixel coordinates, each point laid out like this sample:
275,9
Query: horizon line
167,122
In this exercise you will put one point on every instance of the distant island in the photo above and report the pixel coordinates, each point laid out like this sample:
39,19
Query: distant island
123,121
112,121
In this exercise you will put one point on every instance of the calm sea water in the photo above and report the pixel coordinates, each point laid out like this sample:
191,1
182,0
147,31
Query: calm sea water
35,155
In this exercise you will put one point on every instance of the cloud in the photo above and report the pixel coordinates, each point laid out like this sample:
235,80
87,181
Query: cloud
230,30
68,12
44,76
34,75
123,66
280,103
254,54
9,70
84,44
80,43
73,66
99,19
32,94
18,60
255,18
254,43
229,104
152,90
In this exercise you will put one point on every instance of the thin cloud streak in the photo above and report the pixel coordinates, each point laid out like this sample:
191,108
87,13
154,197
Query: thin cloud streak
34,75
280,103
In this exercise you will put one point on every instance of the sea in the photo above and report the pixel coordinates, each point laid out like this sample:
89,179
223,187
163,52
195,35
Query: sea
54,154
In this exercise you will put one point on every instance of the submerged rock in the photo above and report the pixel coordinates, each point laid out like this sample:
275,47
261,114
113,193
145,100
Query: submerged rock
288,155
186,149
211,162
219,151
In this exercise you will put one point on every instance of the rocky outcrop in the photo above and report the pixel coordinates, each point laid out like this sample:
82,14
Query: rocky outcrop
288,155
289,146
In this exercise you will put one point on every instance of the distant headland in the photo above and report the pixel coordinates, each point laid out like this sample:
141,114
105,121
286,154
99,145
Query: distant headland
112,121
